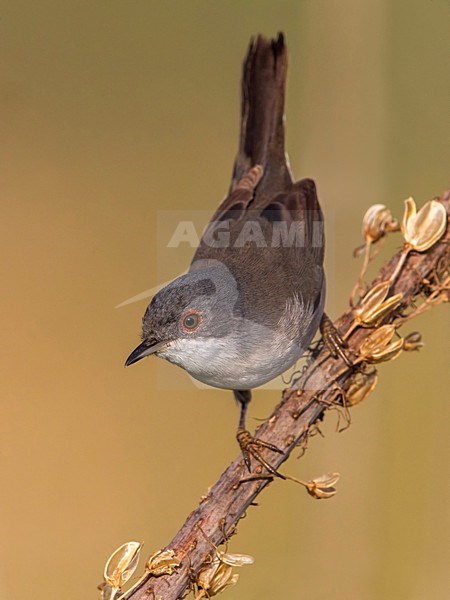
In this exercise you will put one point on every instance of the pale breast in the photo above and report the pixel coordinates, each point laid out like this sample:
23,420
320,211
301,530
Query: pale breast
249,356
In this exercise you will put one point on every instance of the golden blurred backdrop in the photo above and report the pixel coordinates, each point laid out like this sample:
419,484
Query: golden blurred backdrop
114,111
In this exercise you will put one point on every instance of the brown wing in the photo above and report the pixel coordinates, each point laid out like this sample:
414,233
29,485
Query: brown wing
297,210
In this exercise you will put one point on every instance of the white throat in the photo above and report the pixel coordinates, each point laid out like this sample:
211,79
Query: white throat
246,358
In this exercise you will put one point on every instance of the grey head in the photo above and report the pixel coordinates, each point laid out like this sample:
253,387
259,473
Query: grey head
190,316
199,323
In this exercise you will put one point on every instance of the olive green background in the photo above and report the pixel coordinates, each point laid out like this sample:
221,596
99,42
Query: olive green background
113,111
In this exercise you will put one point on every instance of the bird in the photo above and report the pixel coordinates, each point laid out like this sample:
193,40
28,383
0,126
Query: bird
254,295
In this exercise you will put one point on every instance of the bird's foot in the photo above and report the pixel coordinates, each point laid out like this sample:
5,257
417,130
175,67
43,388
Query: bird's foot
251,446
333,340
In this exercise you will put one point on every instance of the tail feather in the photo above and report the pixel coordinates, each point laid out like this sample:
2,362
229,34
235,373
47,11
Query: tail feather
262,114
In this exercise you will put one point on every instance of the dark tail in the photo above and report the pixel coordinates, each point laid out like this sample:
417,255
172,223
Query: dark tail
262,114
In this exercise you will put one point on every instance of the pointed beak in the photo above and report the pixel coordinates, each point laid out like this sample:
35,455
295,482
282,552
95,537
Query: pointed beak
145,349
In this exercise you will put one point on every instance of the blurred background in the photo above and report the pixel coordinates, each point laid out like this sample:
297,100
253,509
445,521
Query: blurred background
114,111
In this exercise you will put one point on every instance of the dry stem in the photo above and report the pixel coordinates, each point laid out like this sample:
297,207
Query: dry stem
292,421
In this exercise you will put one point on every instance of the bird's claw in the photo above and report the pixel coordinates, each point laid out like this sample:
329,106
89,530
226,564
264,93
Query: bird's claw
333,340
250,446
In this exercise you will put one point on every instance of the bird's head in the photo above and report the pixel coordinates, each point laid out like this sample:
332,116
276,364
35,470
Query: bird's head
187,315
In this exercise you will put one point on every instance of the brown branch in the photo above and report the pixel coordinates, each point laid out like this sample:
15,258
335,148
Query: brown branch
293,420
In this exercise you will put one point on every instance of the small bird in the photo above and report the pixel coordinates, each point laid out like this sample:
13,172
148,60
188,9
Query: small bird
254,295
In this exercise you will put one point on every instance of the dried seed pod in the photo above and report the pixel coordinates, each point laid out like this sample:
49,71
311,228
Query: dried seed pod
216,577
374,307
377,221
235,560
423,229
322,487
360,387
223,578
206,574
413,341
122,564
228,579
391,352
162,562
379,347
377,339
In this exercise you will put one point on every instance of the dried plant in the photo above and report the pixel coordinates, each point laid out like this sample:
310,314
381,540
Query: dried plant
372,334
119,567
215,577
377,222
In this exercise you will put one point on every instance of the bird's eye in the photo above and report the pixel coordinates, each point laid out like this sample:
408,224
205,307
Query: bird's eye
191,321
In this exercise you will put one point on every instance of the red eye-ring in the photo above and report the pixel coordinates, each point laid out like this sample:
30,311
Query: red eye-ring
190,321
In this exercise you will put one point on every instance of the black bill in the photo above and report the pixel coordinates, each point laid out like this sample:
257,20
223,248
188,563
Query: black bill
145,349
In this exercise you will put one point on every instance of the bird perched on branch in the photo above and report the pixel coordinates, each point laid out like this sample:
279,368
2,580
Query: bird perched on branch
254,295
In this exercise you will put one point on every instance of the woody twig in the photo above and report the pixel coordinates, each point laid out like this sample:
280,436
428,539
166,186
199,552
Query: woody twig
415,279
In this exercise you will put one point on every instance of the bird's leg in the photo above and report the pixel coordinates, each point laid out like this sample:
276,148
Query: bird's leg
333,340
250,446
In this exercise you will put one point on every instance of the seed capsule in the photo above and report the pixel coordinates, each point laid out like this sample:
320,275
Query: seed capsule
379,347
218,575
122,564
377,222
216,578
423,229
413,341
374,307
162,562
322,487
360,387
235,560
